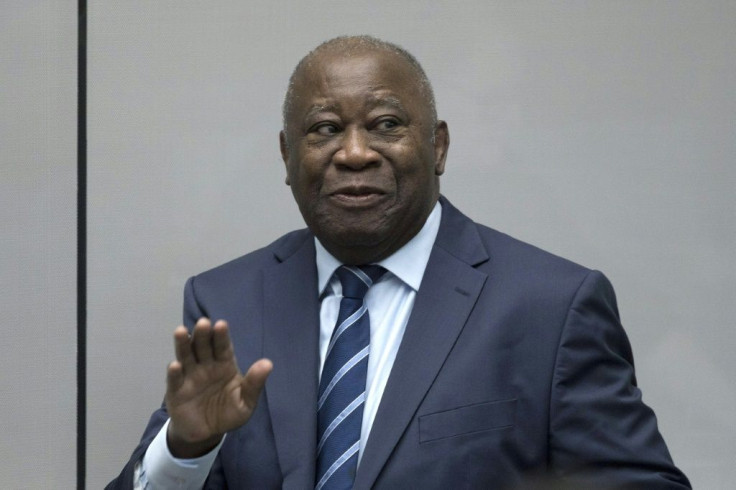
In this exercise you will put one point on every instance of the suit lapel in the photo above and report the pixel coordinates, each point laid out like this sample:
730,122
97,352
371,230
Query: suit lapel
291,335
445,299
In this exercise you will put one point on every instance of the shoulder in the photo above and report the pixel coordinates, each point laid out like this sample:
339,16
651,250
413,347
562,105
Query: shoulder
509,253
539,280
503,257
250,264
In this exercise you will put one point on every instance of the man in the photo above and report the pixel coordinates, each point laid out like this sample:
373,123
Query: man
489,363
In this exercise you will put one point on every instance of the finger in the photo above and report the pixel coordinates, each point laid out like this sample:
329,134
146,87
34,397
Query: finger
254,380
174,377
221,343
202,340
183,347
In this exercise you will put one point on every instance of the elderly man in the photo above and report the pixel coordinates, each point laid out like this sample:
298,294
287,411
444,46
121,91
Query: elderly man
394,343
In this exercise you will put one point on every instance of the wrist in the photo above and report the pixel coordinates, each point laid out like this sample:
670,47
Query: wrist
181,448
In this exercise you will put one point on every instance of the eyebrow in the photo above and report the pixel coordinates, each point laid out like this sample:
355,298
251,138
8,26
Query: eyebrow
317,108
373,101
389,100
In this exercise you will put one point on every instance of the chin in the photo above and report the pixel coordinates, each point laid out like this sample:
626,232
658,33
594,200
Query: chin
354,245
357,238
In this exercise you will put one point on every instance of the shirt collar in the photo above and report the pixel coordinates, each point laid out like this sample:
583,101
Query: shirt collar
408,263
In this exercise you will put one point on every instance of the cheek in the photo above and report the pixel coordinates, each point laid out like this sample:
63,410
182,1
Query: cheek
305,182
416,173
309,163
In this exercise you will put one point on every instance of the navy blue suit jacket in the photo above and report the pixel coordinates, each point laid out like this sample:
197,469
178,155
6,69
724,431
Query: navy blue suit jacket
513,366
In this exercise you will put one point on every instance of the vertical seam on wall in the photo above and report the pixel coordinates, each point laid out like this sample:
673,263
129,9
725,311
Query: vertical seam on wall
81,243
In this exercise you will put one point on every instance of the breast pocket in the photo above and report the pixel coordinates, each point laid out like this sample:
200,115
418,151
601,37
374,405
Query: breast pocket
495,415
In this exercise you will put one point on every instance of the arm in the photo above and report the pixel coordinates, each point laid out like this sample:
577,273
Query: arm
601,432
159,469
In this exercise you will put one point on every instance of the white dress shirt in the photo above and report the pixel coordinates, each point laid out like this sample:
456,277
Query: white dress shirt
389,301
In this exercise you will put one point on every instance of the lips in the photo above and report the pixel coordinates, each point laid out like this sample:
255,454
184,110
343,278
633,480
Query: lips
359,195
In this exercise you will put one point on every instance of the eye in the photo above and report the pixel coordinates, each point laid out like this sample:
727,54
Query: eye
386,124
325,129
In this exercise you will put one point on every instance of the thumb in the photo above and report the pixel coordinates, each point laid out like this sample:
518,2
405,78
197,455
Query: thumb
252,383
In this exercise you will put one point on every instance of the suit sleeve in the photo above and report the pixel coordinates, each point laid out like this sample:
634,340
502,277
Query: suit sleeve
601,432
124,481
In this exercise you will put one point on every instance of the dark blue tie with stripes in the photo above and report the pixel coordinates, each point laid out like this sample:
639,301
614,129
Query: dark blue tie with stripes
342,385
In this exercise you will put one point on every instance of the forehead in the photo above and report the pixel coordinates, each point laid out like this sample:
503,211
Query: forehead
372,77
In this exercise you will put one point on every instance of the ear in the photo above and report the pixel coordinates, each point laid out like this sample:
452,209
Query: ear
441,143
284,147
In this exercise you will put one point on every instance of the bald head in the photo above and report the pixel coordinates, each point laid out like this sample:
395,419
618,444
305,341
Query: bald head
350,46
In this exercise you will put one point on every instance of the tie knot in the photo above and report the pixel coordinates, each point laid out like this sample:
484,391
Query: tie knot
356,280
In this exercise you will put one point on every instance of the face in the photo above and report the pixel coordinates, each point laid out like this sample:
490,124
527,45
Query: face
363,157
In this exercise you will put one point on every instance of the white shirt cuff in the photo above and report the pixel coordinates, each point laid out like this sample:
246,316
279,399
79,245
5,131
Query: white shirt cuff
161,470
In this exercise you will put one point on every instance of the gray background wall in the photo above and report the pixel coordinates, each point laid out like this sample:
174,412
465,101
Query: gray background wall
38,252
602,131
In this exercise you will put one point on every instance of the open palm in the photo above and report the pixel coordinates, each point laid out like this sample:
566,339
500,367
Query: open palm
206,394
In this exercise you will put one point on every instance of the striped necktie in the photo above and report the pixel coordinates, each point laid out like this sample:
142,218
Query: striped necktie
342,385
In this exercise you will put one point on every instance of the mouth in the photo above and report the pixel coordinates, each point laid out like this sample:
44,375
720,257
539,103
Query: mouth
357,196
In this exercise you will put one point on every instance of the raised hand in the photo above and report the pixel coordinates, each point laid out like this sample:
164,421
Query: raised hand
206,395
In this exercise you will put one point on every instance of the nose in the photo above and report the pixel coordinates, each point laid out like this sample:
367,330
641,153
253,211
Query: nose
355,151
